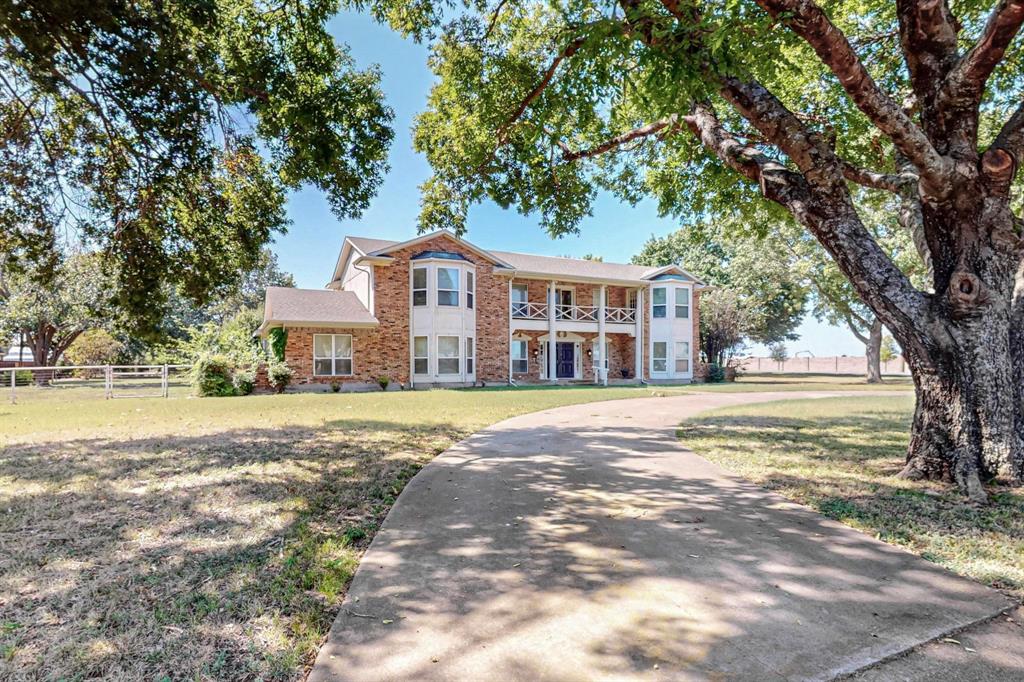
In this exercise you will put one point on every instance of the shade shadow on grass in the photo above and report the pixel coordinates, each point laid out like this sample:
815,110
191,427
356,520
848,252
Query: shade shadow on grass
223,555
840,457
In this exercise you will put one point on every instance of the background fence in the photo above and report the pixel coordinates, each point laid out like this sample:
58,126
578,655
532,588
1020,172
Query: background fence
840,364
94,381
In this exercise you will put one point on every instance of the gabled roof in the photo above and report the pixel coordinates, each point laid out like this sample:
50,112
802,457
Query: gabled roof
523,263
314,308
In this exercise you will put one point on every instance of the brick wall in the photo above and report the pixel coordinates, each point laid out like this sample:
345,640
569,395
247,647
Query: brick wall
384,350
620,354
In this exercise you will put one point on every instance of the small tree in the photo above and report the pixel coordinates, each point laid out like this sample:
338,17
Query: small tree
778,352
889,350
94,347
722,322
52,317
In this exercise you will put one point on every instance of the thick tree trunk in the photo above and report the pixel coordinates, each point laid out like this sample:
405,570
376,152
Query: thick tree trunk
873,350
967,425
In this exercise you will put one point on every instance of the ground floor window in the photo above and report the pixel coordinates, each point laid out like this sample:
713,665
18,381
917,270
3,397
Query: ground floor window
420,355
447,355
682,356
332,355
520,361
659,357
469,355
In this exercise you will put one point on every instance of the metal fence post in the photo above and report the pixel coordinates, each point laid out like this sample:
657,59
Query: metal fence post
163,381
108,377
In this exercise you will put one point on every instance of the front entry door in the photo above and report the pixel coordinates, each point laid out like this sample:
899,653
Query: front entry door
565,360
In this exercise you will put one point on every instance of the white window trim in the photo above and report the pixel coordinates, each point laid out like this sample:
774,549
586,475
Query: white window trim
654,358
469,344
677,305
526,356
457,357
659,305
686,357
457,290
470,276
351,356
420,357
425,289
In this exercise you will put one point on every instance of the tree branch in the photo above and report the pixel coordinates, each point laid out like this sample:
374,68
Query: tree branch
928,34
615,142
967,80
807,20
1001,160
545,80
874,180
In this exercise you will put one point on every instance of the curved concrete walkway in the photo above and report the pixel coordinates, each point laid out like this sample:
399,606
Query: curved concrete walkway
585,543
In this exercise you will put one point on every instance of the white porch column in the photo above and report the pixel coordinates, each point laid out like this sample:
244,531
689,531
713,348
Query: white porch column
551,333
641,313
601,375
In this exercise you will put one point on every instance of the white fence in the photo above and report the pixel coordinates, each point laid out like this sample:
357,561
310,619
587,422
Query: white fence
110,381
819,365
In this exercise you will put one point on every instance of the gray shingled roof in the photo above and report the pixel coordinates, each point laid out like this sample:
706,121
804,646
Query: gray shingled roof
286,305
546,265
572,267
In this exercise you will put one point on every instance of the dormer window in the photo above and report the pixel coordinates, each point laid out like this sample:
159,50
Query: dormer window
448,286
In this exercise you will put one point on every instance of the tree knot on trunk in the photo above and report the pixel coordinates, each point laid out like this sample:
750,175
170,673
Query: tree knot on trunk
966,292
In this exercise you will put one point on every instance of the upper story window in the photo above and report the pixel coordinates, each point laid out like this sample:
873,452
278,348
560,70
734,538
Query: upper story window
448,286
520,298
631,299
470,289
659,305
419,286
682,303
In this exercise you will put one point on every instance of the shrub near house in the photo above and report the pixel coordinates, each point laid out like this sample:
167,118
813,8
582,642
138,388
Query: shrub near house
439,311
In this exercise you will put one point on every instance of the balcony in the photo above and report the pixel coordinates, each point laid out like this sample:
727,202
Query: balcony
572,313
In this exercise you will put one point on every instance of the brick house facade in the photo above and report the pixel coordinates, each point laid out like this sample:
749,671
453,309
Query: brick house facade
438,310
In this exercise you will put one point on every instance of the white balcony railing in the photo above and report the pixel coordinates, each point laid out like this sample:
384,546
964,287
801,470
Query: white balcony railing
574,313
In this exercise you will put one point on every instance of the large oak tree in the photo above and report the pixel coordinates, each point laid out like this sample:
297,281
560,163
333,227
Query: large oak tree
167,134
704,105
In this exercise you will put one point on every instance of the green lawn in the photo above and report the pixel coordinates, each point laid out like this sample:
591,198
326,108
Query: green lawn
214,538
207,538
840,456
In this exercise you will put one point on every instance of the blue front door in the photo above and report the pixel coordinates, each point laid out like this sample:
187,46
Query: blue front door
565,360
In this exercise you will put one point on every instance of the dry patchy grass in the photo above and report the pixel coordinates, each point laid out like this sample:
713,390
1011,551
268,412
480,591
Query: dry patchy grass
206,538
840,456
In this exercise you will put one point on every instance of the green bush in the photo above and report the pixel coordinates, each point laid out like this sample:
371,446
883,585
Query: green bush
244,380
716,373
383,383
278,340
212,375
279,375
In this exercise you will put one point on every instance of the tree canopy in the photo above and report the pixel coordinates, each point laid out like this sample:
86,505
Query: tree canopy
167,134
708,107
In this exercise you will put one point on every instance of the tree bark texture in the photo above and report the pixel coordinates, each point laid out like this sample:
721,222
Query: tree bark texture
873,351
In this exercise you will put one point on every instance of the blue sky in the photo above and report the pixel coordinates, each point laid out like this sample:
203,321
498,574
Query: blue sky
616,231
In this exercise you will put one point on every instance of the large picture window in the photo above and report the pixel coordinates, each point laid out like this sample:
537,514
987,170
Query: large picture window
332,355
419,286
448,286
682,356
520,361
659,357
470,355
420,355
448,354
682,303
659,306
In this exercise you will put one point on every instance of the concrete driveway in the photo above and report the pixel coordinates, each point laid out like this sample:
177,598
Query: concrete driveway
585,543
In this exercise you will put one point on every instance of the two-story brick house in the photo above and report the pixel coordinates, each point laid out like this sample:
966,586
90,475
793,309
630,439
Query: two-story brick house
438,310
